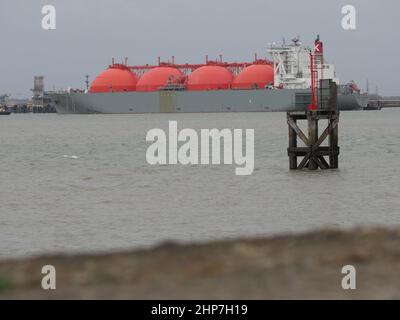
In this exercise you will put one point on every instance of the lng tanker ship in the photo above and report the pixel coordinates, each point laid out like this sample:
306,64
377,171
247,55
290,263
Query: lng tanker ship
281,84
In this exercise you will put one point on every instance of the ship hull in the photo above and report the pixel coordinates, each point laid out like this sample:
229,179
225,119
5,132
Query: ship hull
352,101
193,101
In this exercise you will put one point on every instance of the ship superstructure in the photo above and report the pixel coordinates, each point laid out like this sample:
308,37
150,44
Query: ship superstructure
292,64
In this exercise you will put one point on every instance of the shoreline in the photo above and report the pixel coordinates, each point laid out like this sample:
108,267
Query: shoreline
305,266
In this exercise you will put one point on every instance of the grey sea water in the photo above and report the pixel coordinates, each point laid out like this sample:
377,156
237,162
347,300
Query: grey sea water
80,183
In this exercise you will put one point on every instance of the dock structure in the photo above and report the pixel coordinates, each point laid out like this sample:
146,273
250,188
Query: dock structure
317,151
378,103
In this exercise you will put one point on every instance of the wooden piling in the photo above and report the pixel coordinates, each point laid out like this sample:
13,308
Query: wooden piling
312,137
333,143
314,152
292,145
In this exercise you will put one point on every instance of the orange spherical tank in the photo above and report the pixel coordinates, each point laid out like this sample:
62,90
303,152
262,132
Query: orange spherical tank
114,79
210,78
254,76
159,77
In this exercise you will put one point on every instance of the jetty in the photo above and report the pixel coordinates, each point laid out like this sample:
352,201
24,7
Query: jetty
378,103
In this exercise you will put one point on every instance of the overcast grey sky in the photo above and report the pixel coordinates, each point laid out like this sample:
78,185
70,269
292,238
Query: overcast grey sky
90,32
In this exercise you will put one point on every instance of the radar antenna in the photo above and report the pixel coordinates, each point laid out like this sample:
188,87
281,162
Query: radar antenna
296,41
